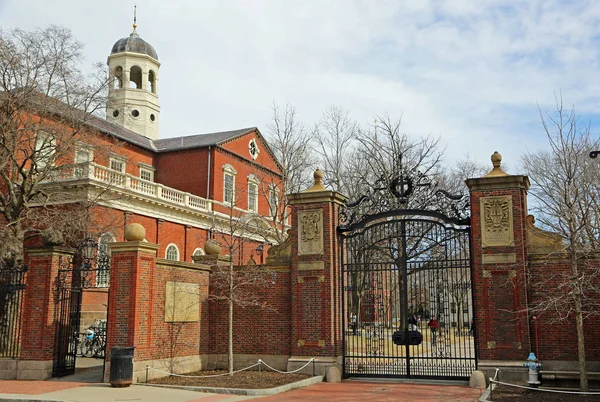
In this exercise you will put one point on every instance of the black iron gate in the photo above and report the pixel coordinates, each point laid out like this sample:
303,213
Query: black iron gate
12,285
89,267
407,294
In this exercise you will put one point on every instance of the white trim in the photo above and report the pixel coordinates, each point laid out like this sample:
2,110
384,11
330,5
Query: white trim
167,252
199,251
253,208
149,171
229,169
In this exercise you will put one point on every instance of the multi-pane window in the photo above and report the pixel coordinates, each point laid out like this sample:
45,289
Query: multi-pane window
172,253
146,174
117,165
252,197
45,150
228,188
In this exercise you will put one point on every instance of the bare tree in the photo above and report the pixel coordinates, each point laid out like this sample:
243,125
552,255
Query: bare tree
290,142
386,158
333,137
45,101
566,186
239,286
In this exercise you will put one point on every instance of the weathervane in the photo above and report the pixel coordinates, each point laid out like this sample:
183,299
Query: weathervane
135,16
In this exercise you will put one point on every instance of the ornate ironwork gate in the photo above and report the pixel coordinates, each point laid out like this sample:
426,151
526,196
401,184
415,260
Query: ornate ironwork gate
402,268
89,267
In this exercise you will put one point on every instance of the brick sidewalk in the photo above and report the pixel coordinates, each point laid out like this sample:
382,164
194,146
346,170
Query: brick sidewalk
35,387
378,392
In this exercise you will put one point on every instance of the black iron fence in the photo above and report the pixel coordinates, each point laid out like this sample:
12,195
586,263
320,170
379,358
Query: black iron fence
12,285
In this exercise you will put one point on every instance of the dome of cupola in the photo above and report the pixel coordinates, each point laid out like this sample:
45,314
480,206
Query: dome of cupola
133,43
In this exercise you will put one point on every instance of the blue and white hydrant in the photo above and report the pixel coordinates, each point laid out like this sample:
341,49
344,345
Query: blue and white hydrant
533,364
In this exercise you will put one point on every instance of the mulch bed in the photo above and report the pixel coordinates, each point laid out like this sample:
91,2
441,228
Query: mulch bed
244,379
503,393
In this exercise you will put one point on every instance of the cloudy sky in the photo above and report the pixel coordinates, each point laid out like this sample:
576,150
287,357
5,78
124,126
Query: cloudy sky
472,72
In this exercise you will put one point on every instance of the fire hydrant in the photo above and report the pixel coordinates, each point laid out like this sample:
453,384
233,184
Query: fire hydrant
533,364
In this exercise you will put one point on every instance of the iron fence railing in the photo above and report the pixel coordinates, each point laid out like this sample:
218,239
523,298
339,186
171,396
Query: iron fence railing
12,285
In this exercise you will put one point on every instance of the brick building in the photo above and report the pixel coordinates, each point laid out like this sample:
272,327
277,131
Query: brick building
183,190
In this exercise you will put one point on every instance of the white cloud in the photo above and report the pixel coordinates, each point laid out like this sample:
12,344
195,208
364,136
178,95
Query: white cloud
470,71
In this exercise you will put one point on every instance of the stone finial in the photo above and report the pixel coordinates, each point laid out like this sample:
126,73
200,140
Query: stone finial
497,170
318,185
135,232
212,247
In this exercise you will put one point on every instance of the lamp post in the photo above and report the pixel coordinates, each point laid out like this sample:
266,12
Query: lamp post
259,252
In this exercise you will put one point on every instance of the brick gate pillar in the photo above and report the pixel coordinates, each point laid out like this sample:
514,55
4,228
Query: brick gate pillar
38,330
315,278
498,217
133,263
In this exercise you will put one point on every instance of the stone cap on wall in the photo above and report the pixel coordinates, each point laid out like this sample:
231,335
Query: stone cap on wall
541,241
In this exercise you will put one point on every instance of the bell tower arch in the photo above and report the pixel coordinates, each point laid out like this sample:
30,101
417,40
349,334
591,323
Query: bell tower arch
133,90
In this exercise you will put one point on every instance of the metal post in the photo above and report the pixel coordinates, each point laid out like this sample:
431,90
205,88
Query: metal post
146,374
404,273
313,361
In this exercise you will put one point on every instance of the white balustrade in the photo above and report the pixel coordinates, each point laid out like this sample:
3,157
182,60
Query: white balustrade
126,181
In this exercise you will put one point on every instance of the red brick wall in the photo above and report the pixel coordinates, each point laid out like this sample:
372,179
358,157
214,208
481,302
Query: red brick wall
137,302
557,340
185,170
257,330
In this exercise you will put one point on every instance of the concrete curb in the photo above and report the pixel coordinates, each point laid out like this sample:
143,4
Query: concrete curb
240,391
486,395
13,398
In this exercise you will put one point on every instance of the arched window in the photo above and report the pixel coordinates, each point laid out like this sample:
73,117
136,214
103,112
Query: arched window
103,263
135,77
151,82
118,80
172,252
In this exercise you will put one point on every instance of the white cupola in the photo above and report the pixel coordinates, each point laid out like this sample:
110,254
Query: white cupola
133,88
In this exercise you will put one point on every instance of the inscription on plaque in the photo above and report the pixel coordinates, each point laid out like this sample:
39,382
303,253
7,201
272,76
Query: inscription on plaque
497,221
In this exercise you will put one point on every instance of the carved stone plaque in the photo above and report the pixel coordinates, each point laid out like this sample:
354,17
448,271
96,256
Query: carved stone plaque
310,232
497,221
182,302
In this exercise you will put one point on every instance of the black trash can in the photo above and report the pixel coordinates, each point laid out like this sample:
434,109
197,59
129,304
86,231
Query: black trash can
121,366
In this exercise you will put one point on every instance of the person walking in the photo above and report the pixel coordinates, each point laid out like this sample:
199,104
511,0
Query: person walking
433,325
353,322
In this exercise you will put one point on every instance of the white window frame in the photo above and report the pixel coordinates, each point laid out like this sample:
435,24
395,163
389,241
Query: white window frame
199,251
81,166
253,181
146,169
117,159
170,245
45,149
229,171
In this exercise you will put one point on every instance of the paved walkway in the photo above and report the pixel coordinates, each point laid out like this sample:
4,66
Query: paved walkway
346,391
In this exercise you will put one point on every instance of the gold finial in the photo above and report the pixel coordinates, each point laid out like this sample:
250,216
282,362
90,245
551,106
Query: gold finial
318,185
135,16
497,170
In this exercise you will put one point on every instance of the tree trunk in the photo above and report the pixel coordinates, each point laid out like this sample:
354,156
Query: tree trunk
230,320
583,377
